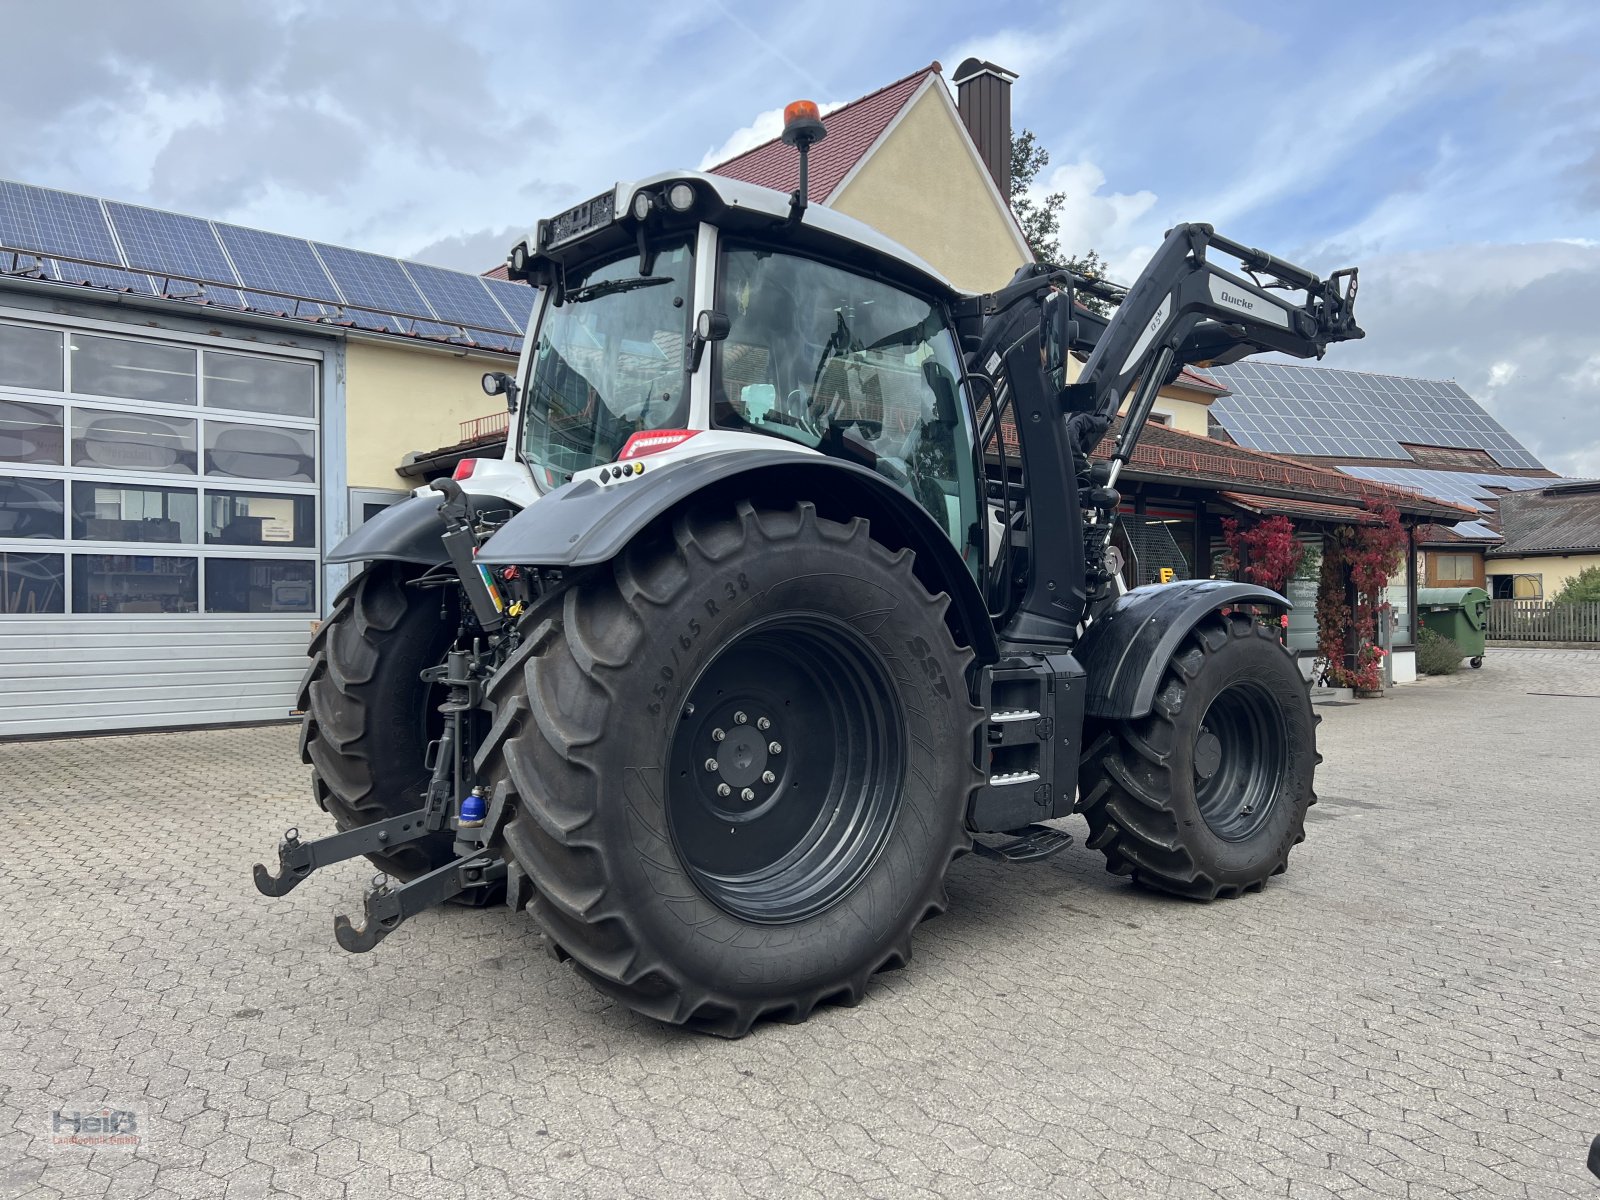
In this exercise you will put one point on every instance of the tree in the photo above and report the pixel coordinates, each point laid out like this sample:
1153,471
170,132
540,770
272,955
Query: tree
1581,588
1041,219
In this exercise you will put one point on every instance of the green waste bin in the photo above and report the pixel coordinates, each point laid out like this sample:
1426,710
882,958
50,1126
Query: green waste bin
1460,614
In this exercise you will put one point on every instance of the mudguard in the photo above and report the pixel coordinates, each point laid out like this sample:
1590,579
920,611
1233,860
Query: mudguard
1126,651
587,522
408,531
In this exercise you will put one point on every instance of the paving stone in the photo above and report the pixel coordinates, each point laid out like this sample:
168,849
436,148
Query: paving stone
1412,1011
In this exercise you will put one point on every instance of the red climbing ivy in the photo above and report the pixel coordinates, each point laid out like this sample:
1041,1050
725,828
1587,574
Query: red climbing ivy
1367,556
1266,553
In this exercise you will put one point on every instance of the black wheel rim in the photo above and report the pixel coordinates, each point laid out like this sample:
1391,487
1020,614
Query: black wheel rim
786,768
1239,759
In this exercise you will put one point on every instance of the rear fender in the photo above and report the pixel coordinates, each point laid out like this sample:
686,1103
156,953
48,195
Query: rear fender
1126,651
409,531
588,522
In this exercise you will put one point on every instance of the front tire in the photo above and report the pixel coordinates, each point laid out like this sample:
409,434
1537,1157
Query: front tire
1206,795
713,881
368,714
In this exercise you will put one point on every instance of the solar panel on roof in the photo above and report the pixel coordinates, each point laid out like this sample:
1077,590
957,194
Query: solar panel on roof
1363,416
33,218
170,243
515,298
370,280
277,263
463,297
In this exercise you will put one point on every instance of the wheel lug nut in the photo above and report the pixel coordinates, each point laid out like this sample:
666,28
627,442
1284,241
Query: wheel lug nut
711,764
723,789
739,718
774,748
768,777
717,735
747,795
763,724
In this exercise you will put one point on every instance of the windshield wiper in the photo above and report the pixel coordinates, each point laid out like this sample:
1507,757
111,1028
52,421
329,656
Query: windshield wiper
611,287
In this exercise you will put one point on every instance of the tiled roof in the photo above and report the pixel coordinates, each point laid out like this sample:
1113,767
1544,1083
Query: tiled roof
1310,510
1166,454
1556,520
852,130
1189,377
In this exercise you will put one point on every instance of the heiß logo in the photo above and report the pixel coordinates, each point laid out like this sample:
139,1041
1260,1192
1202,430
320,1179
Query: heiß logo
107,1127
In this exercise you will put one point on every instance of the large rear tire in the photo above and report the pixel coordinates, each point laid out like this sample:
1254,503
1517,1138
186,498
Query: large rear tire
368,713
1206,796
740,757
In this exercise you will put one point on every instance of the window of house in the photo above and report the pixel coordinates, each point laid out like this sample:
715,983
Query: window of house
1457,569
1516,587
30,508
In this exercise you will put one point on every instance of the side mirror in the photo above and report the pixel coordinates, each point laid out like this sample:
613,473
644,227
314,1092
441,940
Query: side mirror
710,326
498,383
1058,329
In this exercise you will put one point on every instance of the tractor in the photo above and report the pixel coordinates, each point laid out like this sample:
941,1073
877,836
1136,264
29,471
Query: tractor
797,581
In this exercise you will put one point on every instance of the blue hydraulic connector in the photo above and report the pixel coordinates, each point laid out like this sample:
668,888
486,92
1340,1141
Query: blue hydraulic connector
473,809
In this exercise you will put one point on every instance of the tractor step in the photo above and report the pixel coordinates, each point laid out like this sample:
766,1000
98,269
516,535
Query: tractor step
1032,844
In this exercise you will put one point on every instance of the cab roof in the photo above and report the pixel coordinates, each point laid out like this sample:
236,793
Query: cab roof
740,207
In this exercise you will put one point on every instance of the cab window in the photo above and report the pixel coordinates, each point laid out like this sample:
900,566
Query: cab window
850,366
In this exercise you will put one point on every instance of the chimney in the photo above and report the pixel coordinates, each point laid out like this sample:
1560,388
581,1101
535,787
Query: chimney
983,94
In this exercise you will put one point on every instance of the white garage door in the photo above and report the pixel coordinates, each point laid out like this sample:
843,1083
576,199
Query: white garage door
158,528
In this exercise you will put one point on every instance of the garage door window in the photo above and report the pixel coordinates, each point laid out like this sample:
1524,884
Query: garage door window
30,433
163,476
151,371
30,508
30,357
129,441
32,583
259,585
109,512
134,583
260,519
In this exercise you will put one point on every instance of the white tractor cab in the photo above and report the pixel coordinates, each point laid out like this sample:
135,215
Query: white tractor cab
687,314
717,670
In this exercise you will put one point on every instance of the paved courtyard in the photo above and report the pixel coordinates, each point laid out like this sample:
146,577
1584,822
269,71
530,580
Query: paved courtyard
1414,1010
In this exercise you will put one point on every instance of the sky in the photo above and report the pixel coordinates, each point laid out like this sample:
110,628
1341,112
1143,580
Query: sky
1450,150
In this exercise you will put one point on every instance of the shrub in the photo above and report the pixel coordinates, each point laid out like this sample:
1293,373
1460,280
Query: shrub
1581,588
1437,654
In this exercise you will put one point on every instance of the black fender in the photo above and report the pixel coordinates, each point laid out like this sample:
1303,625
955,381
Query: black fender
407,531
585,523
1126,650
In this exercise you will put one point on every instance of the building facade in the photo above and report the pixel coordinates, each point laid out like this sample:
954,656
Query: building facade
176,456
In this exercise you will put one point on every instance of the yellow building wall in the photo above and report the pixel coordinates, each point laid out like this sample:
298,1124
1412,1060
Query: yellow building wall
398,400
1556,569
923,188
1185,412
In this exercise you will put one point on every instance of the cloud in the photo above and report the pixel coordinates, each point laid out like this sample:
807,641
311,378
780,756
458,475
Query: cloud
477,251
766,126
1113,224
1513,324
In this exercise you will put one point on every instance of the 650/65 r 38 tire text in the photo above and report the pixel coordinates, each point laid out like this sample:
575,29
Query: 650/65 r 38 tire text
368,714
1206,795
740,757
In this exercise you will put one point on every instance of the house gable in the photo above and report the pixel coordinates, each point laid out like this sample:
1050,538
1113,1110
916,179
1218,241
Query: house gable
924,185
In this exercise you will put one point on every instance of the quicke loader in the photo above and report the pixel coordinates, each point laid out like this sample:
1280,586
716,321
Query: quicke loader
796,582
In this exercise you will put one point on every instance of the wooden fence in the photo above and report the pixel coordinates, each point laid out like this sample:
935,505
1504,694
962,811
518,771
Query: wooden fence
1540,621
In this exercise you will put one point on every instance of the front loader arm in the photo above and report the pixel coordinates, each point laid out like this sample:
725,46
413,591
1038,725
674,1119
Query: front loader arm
1186,309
